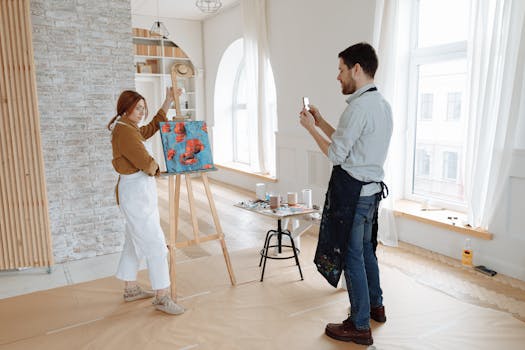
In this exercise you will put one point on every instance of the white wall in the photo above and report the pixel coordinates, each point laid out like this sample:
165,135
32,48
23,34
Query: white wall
218,33
305,37
304,48
520,138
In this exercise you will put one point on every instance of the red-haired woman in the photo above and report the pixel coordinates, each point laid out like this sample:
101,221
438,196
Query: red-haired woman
137,197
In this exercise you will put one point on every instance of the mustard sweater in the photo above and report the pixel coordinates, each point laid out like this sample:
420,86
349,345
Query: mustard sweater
129,153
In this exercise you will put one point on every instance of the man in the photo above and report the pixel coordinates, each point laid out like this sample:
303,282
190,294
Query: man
348,232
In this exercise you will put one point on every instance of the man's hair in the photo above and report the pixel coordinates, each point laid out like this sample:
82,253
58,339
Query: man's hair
362,53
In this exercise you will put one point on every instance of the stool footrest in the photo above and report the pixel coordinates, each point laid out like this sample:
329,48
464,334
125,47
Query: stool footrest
279,234
279,257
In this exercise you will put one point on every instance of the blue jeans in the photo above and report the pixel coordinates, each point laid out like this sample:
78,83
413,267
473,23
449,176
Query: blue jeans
361,269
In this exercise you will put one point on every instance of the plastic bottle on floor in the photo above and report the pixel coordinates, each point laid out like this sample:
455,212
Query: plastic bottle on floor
466,257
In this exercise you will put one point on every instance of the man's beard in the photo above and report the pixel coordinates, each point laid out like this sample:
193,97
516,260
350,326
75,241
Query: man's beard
349,88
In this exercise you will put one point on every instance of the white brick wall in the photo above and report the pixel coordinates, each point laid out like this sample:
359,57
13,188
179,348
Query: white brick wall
84,59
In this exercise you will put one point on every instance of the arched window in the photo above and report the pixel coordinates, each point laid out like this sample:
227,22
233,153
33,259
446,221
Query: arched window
234,128
240,121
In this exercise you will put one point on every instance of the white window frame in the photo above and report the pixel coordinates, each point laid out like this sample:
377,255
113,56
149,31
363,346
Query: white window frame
417,57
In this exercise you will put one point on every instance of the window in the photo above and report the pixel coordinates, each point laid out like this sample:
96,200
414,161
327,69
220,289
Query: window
422,163
453,106
224,133
438,67
427,104
241,144
441,22
234,144
450,165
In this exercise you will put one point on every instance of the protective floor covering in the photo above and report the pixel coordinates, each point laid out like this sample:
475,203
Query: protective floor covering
280,313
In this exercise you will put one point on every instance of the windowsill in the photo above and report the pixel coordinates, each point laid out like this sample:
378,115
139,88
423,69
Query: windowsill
240,170
439,217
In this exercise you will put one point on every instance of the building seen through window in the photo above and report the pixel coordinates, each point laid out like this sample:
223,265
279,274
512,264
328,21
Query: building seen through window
439,62
423,157
427,105
450,165
453,106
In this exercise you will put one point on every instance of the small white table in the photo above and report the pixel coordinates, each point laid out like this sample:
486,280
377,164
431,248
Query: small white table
284,212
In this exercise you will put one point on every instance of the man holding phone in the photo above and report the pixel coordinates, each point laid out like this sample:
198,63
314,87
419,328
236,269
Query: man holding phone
348,232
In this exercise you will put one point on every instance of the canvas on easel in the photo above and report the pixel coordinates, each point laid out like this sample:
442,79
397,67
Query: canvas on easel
187,150
186,146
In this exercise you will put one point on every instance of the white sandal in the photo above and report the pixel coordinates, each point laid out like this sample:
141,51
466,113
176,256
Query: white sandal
167,305
136,293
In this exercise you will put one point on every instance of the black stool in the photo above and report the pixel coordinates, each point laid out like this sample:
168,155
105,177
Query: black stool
279,234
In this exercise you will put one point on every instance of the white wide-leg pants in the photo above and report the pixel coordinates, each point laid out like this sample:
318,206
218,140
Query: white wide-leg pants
144,237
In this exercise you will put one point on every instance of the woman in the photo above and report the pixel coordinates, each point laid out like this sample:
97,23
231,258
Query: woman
136,193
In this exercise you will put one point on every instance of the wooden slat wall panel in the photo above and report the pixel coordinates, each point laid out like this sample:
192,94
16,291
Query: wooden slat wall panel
25,237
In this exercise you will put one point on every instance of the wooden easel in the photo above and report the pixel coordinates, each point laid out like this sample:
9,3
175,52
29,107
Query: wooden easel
176,100
175,95
174,199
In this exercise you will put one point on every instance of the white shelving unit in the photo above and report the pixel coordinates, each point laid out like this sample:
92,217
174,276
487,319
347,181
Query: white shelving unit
154,58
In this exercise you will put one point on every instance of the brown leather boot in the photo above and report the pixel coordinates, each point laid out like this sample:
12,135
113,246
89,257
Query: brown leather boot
346,331
378,314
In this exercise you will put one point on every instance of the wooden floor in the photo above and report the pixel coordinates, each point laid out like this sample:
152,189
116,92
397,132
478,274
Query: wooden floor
431,300
283,312
244,229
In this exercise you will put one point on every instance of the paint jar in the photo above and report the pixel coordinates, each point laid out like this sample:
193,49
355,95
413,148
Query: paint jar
275,201
307,198
292,198
260,191
467,255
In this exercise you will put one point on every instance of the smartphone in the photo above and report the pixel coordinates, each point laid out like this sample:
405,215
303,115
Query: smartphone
306,103
485,270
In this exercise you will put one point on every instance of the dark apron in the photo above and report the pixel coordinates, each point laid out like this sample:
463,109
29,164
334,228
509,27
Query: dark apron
336,223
